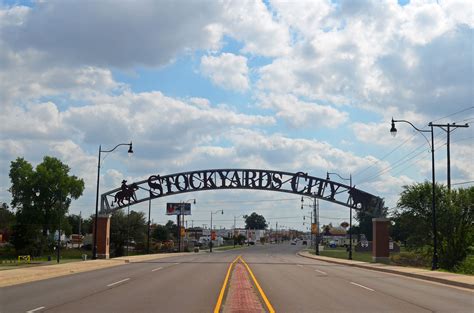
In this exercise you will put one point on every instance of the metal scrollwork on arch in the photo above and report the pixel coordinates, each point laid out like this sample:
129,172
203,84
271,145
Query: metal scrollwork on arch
300,183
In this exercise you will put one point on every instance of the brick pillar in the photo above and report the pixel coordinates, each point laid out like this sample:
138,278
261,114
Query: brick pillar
103,237
380,246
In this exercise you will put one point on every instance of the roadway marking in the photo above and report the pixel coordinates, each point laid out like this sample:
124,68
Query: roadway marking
299,265
362,286
324,273
264,297
217,308
118,282
156,269
34,310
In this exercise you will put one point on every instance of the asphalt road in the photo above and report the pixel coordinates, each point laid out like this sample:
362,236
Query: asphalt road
192,283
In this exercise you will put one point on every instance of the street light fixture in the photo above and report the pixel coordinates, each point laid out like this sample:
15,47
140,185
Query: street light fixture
130,150
210,242
350,205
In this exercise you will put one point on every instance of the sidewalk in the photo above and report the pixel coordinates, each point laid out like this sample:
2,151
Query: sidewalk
29,274
465,281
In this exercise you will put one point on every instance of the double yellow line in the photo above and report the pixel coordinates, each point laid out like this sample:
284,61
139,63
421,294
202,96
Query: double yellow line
224,285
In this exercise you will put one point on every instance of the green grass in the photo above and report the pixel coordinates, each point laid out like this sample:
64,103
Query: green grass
225,248
341,253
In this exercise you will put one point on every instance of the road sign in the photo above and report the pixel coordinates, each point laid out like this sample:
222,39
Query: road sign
314,228
178,209
183,231
213,235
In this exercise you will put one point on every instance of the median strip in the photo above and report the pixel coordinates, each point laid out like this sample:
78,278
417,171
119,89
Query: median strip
262,294
217,308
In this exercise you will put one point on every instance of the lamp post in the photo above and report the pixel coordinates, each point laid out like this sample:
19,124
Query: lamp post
350,209
316,215
210,242
130,150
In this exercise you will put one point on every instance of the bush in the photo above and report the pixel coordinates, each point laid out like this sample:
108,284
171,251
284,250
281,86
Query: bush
411,259
466,267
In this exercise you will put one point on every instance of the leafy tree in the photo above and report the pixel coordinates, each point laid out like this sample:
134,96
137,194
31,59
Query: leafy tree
122,227
364,217
41,197
172,229
454,217
7,219
255,221
161,233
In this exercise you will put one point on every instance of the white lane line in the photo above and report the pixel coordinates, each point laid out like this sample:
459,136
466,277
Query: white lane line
299,265
156,269
324,273
118,282
362,286
34,310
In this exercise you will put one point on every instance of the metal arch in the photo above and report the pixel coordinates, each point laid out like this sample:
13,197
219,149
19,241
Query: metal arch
157,186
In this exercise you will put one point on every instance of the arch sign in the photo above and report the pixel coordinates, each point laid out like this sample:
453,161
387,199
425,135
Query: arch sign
157,186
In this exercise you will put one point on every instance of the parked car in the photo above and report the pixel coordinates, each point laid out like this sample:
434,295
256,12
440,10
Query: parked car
304,242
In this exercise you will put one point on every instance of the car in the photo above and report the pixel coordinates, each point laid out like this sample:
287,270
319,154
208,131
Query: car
293,242
304,243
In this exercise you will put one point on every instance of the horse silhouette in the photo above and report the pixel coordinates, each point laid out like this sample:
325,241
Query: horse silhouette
127,194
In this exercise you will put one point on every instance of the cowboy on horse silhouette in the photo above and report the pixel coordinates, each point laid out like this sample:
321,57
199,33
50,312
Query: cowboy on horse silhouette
126,193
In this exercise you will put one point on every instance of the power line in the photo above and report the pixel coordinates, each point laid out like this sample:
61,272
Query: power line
463,183
455,113
385,156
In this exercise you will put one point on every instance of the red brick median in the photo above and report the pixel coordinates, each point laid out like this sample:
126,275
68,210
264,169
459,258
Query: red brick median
242,296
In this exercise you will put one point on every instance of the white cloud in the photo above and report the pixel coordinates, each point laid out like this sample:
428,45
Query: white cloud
300,114
227,70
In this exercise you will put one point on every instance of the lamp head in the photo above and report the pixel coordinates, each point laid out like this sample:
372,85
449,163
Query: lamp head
130,150
194,202
222,212
393,130
327,176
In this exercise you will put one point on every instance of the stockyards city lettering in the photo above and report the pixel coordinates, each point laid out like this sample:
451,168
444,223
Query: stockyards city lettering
300,183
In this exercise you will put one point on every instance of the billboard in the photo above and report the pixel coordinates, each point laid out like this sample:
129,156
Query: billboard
178,209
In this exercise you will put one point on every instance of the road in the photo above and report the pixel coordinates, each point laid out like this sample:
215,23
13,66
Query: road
192,283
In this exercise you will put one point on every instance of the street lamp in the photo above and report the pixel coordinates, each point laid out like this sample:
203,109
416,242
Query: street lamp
316,251
350,209
210,242
393,132
130,150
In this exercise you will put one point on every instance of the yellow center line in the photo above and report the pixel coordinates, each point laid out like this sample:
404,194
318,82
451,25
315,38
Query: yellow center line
264,297
221,294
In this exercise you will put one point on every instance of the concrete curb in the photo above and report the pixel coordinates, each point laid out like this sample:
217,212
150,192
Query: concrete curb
31,274
383,268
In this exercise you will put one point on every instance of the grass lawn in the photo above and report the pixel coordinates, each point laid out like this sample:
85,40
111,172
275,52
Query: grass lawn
225,248
341,253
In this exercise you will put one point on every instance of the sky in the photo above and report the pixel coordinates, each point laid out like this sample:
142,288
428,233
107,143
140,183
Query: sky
294,86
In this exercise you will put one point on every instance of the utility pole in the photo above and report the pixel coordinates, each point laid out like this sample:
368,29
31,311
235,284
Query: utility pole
448,128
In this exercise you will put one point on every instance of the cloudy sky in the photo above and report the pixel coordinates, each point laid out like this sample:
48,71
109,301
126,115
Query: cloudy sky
285,85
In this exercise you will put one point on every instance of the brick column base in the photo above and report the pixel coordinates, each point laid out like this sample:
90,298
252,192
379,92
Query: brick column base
103,237
380,245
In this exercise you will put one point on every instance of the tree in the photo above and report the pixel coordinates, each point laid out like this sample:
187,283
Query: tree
7,220
41,197
161,233
123,227
454,216
255,221
364,217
